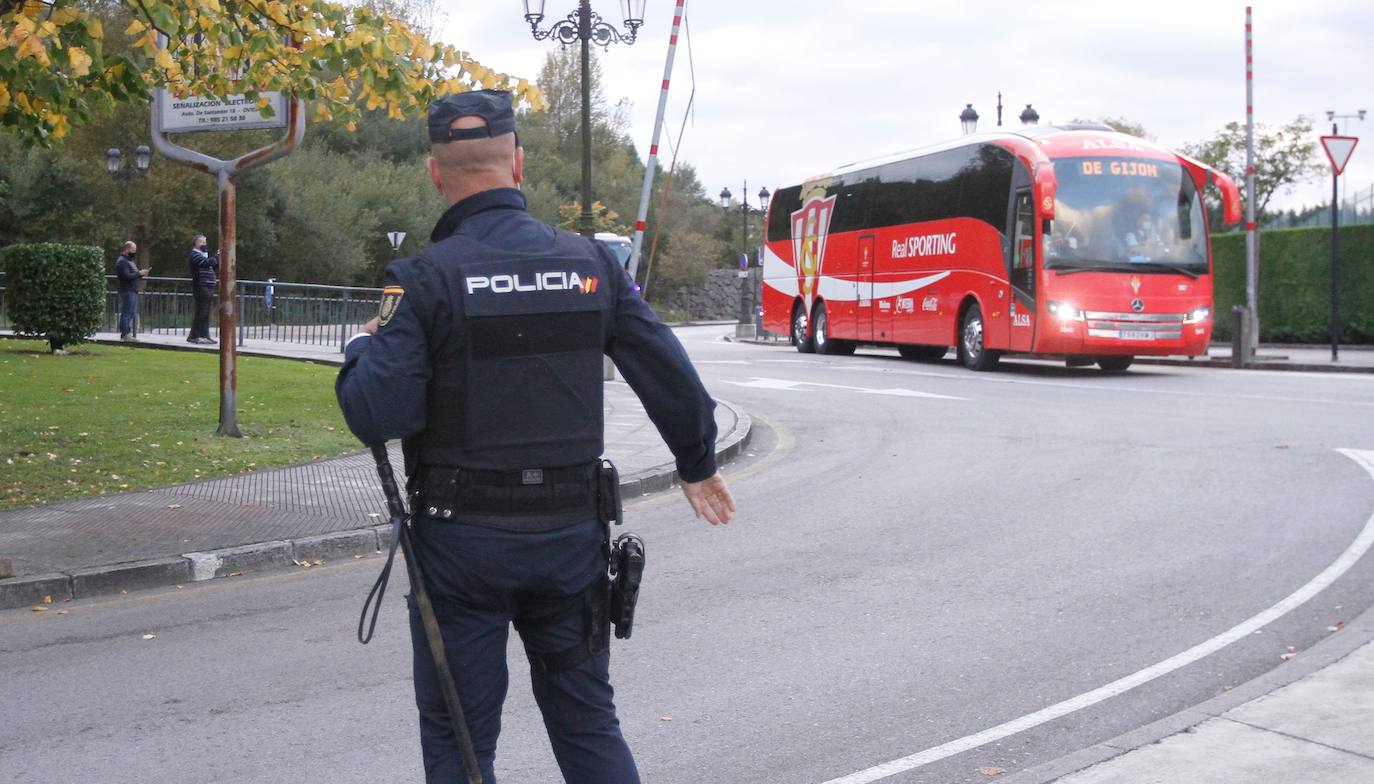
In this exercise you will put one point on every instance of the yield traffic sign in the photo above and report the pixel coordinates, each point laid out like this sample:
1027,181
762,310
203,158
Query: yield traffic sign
1338,149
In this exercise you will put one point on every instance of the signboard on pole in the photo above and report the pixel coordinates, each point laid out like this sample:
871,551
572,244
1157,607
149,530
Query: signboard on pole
191,114
1338,150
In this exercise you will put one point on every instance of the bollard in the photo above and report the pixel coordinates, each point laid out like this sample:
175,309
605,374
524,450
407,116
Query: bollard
1240,326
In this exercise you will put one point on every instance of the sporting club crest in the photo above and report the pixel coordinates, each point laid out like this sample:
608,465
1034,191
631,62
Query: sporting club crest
810,228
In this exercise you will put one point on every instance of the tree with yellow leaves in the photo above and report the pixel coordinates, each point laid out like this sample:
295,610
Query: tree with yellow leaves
54,70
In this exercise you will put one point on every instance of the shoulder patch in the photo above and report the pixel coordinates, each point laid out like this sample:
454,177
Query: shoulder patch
391,300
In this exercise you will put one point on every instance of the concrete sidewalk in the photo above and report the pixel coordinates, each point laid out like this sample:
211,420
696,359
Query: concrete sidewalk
1308,358
1308,721
289,517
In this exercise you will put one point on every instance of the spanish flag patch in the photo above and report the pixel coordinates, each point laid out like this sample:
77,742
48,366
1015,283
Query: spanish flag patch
391,300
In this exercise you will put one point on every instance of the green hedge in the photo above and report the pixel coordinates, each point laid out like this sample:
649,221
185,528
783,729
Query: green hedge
1295,284
54,292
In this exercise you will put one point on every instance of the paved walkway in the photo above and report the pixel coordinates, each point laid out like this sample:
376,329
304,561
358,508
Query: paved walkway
1314,358
275,518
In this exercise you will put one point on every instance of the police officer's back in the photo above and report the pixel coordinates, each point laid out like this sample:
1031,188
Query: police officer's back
486,360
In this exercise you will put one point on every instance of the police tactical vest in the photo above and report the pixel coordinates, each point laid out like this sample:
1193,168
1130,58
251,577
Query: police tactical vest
517,370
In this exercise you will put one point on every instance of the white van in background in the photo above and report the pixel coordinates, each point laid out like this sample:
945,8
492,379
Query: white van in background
620,246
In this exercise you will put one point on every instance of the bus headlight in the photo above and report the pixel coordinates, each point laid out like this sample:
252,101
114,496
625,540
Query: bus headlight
1198,316
1066,311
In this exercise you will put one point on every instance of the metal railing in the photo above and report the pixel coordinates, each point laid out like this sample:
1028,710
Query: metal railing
298,313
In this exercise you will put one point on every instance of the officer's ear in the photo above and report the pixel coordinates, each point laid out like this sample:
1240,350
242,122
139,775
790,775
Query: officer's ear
433,168
518,171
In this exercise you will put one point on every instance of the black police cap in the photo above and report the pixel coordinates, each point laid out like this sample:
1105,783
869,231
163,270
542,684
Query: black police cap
494,106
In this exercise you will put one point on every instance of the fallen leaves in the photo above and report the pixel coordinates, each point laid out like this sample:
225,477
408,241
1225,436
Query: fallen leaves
1335,627
989,770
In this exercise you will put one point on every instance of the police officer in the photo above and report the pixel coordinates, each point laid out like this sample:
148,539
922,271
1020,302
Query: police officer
486,359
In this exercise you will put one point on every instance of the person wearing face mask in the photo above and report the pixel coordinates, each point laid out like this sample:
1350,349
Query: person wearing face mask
201,267
130,280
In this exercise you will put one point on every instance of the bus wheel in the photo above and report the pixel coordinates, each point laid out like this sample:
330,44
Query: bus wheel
923,353
973,354
800,338
820,333
1114,364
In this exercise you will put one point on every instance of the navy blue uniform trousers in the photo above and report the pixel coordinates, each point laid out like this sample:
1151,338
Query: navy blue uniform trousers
481,580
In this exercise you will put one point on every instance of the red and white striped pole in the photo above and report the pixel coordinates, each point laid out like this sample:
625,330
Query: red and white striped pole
652,162
1251,238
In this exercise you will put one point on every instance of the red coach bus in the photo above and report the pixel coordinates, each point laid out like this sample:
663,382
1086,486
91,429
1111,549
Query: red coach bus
1073,241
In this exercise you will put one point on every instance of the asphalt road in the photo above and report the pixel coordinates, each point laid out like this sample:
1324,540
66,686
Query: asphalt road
922,553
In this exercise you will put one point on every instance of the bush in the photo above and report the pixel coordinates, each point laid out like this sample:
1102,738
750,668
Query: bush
54,292
1295,284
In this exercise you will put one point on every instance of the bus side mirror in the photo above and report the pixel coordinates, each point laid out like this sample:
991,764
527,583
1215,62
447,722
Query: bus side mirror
1230,197
1044,189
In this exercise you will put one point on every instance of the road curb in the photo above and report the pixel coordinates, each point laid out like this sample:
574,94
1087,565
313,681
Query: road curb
33,589
282,554
1323,654
1225,364
129,576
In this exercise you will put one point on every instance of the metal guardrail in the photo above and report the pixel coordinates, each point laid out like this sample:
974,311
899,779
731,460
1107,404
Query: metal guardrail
300,313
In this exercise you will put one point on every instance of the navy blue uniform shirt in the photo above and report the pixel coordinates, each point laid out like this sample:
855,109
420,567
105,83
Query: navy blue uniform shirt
384,387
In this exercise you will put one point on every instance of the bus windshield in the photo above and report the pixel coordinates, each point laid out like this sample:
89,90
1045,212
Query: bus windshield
1124,213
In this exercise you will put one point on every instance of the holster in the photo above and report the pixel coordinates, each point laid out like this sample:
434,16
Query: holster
627,570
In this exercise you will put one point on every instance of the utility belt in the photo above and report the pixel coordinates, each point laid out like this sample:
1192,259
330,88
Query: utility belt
528,499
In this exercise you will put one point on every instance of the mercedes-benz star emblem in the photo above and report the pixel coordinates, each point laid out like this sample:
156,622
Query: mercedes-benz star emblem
1137,305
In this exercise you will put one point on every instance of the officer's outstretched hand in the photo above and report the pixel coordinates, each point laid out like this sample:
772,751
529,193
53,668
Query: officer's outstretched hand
710,498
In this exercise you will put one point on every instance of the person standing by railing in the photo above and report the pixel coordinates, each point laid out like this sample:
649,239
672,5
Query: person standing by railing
130,282
202,267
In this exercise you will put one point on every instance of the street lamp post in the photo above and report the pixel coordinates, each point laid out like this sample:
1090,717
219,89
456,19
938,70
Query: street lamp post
126,171
586,26
746,296
1336,205
968,118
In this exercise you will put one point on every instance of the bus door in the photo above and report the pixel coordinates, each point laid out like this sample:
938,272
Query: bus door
1021,274
864,312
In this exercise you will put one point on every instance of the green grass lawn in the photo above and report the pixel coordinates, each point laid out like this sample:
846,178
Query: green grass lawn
104,419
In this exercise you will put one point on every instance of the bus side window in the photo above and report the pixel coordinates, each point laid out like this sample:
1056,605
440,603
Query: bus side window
1023,245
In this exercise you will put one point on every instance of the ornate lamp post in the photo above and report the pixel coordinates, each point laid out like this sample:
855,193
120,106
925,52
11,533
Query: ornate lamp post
746,298
1029,116
126,171
586,26
968,118
121,170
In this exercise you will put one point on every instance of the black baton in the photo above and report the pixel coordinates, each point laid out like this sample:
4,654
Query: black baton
400,531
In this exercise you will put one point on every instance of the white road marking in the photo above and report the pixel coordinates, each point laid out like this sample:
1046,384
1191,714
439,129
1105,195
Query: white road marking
797,386
1097,383
1347,559
721,362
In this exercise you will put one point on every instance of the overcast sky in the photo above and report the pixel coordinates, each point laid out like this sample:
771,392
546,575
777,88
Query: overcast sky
790,88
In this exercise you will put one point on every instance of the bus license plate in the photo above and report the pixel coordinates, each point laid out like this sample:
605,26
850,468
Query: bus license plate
1137,334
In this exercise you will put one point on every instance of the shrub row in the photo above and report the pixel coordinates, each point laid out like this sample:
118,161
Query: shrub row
1295,284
